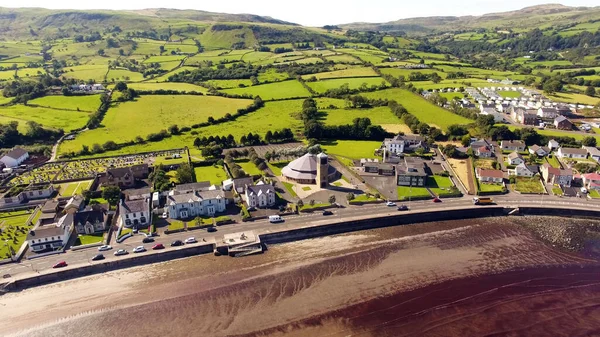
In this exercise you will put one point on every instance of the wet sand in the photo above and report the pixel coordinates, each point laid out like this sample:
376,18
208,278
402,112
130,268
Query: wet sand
474,278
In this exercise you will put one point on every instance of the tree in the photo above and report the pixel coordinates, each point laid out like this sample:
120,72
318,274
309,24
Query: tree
185,174
350,196
300,203
332,199
121,86
101,52
174,129
589,141
162,49
311,202
435,78
590,91
112,194
449,150
465,140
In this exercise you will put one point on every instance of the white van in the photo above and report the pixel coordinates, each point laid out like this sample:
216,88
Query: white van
275,218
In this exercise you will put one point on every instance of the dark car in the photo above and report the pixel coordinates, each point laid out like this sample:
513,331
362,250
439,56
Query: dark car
98,257
211,229
327,213
437,200
176,243
147,240
251,209
403,208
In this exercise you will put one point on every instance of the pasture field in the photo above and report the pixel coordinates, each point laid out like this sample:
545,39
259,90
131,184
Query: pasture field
52,118
366,56
309,60
88,103
123,75
165,77
30,72
256,56
558,133
215,174
378,116
509,94
164,58
5,100
225,39
229,84
7,75
451,95
574,98
353,83
272,75
470,82
352,149
181,48
349,72
432,56
397,72
87,72
343,58
170,65
475,72
150,114
421,108
167,86
14,231
279,90
249,167
215,59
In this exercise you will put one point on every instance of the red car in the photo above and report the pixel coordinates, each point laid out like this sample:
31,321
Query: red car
437,200
158,246
60,264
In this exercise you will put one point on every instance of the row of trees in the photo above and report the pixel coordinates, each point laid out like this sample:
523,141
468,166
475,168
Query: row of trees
35,133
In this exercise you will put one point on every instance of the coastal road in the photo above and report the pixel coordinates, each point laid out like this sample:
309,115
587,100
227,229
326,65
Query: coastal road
84,256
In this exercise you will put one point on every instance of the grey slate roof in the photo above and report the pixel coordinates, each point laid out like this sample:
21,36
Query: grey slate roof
16,153
134,206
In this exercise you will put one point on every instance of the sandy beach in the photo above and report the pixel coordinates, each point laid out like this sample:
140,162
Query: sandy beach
477,277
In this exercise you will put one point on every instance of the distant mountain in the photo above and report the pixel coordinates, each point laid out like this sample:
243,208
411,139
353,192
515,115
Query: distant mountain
526,18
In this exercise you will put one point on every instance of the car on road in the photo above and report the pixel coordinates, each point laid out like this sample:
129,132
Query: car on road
121,252
164,215
139,249
437,200
390,204
275,219
403,208
158,246
327,213
147,240
176,243
98,257
251,209
104,248
191,240
211,229
60,264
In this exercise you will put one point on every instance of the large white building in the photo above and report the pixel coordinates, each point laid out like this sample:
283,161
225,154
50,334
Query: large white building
402,143
14,157
260,195
195,203
52,236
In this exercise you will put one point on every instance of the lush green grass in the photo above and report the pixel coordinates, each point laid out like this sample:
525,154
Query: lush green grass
557,191
249,167
290,188
353,83
485,187
229,84
353,149
308,206
378,115
175,225
397,72
364,197
272,75
553,161
285,89
509,94
595,194
89,239
421,108
9,221
529,185
214,174
77,187
558,133
343,58
439,185
349,72
88,103
150,114
277,166
167,86
52,118
406,192
115,75
574,98
87,72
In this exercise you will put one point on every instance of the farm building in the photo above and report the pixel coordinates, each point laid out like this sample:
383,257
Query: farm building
14,157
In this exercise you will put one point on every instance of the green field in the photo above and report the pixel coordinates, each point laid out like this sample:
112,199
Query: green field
52,118
150,114
574,98
115,75
229,84
88,103
558,133
279,90
96,73
439,185
349,72
167,86
529,185
353,83
10,236
214,174
352,149
406,193
277,166
421,108
343,58
509,94
378,116
249,167
397,72
73,188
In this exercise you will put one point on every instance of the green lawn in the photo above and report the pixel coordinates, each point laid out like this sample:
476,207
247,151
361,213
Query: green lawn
485,187
77,187
307,206
249,167
509,94
52,118
214,174
290,188
277,166
167,86
150,114
419,107
553,161
89,239
175,225
350,72
278,90
529,185
306,188
353,83
557,191
352,149
364,197
378,116
406,192
11,236
594,194
88,103
440,186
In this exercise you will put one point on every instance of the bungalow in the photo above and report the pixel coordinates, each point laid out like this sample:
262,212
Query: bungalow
40,191
14,157
556,176
489,176
553,145
591,181
483,152
510,145
562,123
540,151
134,213
514,158
567,152
523,170
593,152
195,203
549,113
51,237
260,195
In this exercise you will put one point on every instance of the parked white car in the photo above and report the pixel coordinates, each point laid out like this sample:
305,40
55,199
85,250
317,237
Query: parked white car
139,249
191,240
104,248
390,204
164,215
120,252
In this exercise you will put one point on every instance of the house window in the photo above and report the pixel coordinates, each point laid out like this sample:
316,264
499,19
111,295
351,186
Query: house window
45,239
126,216
143,219
39,192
